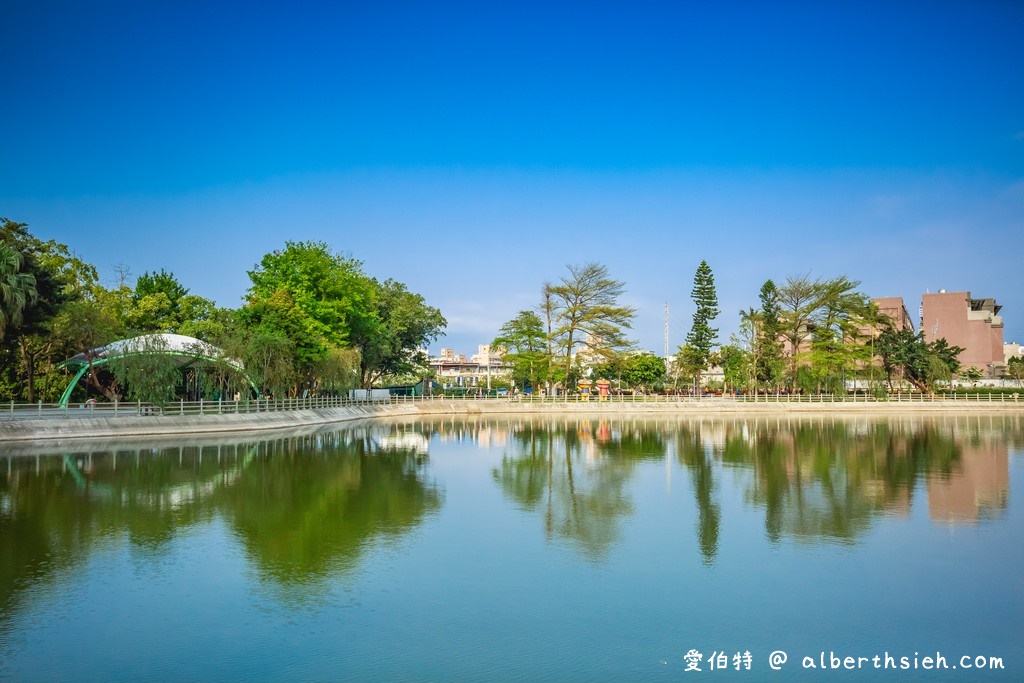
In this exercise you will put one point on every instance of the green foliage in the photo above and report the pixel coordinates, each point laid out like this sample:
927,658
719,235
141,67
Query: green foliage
1015,368
163,283
150,373
971,374
770,363
269,357
312,317
702,337
338,370
389,335
737,367
688,363
585,311
160,303
525,348
821,321
329,293
34,347
17,289
645,370
906,355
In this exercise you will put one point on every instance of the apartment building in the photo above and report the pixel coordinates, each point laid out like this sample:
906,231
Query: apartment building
969,322
893,308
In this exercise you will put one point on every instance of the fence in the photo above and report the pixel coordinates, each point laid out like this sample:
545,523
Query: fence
18,411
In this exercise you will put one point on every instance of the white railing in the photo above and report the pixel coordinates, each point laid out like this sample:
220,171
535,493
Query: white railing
92,409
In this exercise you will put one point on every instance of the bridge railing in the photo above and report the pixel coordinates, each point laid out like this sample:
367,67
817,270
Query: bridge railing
94,409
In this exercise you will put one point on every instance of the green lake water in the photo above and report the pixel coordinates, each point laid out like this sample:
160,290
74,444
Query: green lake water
522,550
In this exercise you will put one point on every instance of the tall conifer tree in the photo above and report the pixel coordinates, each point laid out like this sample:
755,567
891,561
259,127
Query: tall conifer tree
702,336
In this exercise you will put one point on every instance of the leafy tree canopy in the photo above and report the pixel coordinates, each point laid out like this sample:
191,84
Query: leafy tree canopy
587,312
399,323
907,355
329,292
525,347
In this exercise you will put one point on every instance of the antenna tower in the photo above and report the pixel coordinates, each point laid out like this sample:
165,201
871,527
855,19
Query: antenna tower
666,332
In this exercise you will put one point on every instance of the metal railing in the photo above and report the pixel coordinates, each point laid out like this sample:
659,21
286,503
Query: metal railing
91,409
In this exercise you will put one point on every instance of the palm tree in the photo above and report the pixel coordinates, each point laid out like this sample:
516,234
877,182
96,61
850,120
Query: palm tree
17,289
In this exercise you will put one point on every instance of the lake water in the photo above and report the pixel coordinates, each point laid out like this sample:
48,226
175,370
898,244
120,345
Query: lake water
522,550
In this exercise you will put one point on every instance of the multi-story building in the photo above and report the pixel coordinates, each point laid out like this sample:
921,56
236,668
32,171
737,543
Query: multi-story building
452,369
892,307
969,322
1012,350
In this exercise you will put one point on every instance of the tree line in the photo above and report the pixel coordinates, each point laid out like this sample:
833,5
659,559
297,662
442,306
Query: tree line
808,335
312,320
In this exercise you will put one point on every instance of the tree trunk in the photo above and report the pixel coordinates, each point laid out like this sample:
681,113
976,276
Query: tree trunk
29,360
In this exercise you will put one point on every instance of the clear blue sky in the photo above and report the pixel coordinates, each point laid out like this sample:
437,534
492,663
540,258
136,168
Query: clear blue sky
471,150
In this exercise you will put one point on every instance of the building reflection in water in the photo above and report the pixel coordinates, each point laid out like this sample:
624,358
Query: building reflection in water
814,479
978,488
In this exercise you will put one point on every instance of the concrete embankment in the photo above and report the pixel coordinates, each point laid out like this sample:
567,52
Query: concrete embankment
70,429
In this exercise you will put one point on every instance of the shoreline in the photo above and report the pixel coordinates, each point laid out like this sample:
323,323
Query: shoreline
59,431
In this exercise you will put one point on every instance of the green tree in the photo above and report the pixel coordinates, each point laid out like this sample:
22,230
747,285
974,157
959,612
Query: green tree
90,323
156,303
702,337
798,300
316,298
687,365
525,348
159,303
907,355
398,323
17,289
60,277
547,307
769,363
819,320
643,370
838,344
737,366
338,371
1015,368
971,374
149,372
262,337
586,312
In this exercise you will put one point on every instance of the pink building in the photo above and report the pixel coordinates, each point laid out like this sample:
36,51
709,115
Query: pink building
971,323
893,308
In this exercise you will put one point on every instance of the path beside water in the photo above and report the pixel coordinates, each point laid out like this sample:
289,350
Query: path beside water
21,430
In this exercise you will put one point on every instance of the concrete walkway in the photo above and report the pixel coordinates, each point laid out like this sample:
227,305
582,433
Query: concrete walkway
71,429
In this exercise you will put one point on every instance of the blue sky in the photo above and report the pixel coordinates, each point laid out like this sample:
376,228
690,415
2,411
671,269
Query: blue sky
473,150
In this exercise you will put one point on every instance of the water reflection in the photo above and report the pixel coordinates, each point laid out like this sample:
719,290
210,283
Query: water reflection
307,507
815,480
575,474
303,507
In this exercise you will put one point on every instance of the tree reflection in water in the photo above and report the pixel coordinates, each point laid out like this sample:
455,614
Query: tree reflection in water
815,479
575,473
306,508
303,507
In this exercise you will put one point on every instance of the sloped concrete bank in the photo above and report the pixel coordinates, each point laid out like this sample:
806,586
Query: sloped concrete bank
22,430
